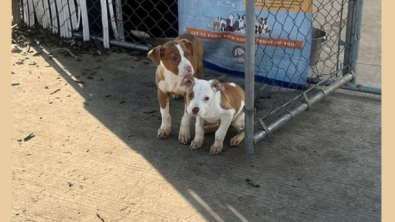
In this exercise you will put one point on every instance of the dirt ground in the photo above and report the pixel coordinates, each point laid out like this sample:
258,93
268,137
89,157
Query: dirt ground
84,148
93,154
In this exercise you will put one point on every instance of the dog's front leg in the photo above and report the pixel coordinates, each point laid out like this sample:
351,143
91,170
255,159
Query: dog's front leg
165,127
185,127
220,135
197,142
238,124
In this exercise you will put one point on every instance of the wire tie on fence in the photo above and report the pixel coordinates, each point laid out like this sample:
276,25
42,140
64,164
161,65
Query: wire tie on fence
307,100
323,91
287,111
353,74
248,112
264,126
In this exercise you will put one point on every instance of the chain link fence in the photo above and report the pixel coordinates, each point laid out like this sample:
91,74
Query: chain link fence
331,41
325,62
143,22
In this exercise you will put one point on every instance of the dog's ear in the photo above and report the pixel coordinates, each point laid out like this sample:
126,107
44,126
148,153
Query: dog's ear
188,44
216,85
155,54
188,81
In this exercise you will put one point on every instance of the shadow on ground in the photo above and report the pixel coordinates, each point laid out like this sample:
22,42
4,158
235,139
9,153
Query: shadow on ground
315,169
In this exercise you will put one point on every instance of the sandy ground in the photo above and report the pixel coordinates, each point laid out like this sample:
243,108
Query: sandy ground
93,155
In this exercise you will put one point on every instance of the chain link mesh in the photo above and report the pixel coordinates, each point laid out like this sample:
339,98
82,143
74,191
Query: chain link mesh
150,22
325,62
142,22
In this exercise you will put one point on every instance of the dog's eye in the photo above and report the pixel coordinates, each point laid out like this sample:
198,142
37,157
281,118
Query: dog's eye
206,98
190,95
174,58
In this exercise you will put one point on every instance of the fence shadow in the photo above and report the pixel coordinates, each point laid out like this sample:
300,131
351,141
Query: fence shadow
119,90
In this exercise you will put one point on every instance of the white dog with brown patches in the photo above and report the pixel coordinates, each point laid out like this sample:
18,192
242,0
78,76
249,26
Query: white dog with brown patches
215,102
176,59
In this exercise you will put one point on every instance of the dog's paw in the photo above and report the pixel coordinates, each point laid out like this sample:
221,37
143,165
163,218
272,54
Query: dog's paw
184,136
215,150
164,132
236,140
196,144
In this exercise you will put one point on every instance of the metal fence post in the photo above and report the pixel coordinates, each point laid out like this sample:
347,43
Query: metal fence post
249,77
353,36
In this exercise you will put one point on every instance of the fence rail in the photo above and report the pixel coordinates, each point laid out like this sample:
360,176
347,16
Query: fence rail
272,93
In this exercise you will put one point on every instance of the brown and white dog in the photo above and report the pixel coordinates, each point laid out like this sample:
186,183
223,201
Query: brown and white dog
215,102
176,59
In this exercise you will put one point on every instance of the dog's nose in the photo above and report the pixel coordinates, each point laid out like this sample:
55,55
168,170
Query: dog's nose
195,110
189,69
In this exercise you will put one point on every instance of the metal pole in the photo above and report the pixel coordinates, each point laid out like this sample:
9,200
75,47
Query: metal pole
349,86
249,77
353,33
303,107
347,45
356,38
119,43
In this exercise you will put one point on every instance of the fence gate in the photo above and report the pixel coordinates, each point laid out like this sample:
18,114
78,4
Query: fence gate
297,53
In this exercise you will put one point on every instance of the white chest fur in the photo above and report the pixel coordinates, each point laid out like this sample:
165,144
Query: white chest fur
171,82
